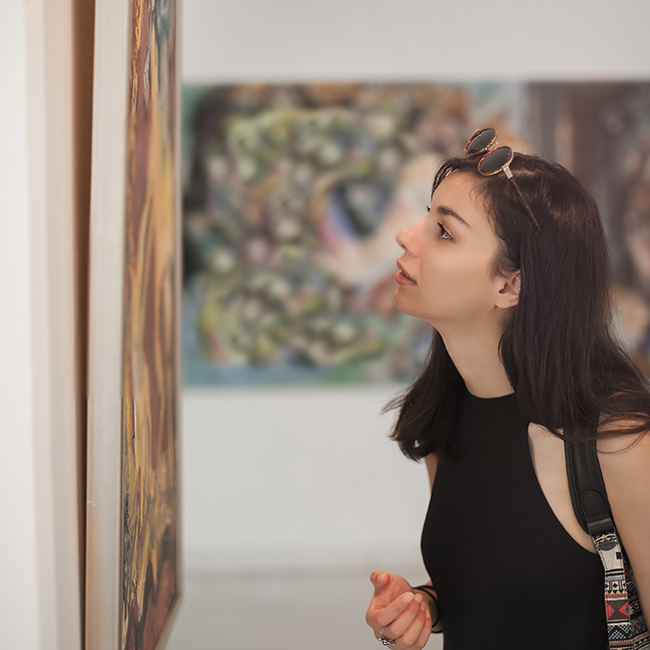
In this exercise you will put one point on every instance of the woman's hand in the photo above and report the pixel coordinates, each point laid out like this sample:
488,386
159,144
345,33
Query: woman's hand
398,613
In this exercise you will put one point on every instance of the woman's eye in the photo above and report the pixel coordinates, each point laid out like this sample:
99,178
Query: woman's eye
443,233
428,209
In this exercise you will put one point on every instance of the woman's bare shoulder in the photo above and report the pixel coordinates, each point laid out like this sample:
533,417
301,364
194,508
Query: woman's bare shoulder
620,436
625,464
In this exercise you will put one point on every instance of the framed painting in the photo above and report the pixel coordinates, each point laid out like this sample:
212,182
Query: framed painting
293,195
133,570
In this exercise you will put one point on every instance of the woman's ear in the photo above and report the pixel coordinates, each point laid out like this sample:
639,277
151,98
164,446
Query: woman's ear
509,292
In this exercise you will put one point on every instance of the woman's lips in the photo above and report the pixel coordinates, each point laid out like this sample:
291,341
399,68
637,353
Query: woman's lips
402,278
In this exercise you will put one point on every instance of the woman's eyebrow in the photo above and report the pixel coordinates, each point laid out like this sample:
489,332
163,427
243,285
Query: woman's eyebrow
445,211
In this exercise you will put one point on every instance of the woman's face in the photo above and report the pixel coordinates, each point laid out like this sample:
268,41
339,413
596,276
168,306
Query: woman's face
446,274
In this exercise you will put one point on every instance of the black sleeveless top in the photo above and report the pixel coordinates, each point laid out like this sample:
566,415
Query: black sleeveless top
508,574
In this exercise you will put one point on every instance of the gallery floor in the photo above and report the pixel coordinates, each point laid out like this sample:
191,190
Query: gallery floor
276,611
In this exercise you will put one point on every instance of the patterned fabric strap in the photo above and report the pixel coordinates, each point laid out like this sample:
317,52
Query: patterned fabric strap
626,627
640,633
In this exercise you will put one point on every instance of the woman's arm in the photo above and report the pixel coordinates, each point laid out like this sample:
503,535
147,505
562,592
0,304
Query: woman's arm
432,466
625,463
396,608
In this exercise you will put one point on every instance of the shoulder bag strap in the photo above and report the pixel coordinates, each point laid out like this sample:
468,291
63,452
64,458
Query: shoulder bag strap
587,487
593,511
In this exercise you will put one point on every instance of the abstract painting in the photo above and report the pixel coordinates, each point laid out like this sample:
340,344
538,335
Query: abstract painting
150,348
293,195
139,580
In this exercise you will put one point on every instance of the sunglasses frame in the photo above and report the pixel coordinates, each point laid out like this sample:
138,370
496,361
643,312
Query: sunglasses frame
488,151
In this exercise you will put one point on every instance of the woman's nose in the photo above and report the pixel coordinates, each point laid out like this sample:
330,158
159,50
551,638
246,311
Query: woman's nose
401,239
405,238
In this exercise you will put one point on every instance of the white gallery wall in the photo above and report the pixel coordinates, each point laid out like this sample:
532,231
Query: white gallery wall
302,40
305,477
40,446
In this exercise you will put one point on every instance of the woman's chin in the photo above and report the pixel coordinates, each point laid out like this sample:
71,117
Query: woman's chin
401,303
406,306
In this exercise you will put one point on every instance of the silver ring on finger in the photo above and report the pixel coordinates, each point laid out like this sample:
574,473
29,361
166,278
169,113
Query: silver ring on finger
383,640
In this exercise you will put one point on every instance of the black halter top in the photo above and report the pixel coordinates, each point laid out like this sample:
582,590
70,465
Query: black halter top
508,574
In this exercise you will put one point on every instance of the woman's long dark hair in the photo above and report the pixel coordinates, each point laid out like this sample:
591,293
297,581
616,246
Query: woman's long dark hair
558,348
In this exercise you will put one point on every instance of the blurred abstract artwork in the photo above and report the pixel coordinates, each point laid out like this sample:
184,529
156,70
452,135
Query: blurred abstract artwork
293,195
150,366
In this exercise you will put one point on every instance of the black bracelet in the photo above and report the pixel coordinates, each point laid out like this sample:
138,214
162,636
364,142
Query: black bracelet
428,589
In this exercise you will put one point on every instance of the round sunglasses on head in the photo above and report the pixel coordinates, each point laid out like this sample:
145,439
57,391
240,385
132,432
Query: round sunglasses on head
495,161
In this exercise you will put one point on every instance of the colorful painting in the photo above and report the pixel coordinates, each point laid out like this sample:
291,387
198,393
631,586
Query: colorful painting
293,196
149,480
133,576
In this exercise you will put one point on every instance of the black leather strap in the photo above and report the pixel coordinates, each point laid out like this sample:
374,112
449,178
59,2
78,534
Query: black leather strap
588,492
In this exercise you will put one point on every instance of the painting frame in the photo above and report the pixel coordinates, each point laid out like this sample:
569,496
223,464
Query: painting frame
110,325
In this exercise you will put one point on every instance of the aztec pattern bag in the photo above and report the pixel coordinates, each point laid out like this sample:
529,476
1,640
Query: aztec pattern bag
626,625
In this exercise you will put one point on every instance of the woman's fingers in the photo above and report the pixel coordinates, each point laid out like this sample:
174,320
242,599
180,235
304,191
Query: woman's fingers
386,615
379,581
417,634
378,617
401,623
425,632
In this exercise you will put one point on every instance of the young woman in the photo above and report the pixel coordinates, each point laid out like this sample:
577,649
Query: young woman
511,270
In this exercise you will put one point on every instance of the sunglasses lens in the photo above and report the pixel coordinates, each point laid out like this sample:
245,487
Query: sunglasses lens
480,141
495,161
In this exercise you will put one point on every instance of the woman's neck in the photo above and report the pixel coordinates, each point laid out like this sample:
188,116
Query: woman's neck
476,357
